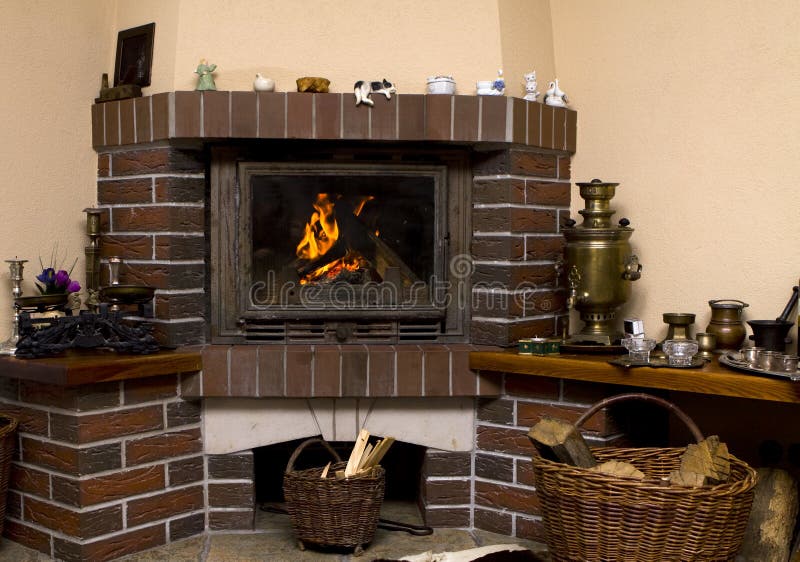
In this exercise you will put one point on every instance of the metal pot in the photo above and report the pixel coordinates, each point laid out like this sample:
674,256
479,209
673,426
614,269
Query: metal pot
726,323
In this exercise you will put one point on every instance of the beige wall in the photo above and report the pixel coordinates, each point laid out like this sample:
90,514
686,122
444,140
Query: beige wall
404,42
52,55
693,107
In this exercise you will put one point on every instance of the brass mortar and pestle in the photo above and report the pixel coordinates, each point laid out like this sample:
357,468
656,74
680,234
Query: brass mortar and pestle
772,334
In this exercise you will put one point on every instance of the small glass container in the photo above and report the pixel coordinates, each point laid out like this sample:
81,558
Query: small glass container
680,352
789,363
639,348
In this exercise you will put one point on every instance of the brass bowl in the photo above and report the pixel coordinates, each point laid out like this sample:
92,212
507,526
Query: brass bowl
126,294
42,303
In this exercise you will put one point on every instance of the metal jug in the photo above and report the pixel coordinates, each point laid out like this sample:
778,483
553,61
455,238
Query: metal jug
726,323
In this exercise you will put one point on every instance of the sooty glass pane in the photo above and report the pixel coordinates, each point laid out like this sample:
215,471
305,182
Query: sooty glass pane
300,221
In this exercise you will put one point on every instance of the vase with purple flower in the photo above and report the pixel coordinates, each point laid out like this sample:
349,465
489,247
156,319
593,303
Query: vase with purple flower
56,289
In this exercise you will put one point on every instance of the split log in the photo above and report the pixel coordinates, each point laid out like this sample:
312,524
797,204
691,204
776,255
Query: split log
619,468
359,237
364,457
769,530
560,441
687,478
378,452
325,470
357,452
706,462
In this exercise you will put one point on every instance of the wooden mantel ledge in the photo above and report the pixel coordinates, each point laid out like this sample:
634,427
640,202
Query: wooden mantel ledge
90,366
713,378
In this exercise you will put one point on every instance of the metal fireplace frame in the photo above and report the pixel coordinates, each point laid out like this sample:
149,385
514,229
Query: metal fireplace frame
236,317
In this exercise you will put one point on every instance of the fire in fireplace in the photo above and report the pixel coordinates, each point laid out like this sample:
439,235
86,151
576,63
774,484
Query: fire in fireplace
356,247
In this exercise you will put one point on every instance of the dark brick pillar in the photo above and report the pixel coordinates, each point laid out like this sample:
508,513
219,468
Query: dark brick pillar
155,221
504,498
231,492
104,470
446,489
520,198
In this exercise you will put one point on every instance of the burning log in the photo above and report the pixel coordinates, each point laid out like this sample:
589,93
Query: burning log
335,233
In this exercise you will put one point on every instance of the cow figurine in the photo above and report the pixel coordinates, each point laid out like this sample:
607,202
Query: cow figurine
363,90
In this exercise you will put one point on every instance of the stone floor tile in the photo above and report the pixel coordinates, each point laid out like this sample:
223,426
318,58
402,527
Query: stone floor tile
186,550
10,550
484,538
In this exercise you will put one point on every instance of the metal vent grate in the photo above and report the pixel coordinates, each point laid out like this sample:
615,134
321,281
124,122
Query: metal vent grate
320,332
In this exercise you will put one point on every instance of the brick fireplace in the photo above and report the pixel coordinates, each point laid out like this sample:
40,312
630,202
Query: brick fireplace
201,425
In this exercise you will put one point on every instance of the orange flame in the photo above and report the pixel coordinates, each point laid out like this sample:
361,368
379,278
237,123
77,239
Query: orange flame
321,233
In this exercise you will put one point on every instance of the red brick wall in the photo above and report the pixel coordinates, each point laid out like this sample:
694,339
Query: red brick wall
153,203
504,496
104,470
520,197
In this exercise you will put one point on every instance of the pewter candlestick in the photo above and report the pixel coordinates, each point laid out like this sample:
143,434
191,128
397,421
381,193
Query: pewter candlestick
92,252
9,347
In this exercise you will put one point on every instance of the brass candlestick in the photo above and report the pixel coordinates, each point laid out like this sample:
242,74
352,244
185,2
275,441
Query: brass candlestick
15,266
92,252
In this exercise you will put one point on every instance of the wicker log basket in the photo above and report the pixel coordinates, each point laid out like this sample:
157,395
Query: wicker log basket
591,516
329,512
8,435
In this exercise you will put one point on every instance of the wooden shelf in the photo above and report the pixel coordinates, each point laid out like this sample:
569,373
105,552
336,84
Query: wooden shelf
713,378
85,367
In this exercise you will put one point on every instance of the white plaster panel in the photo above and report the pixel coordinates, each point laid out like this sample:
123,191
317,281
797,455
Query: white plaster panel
441,423
237,424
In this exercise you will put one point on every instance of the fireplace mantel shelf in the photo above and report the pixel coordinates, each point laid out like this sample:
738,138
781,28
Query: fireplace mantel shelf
711,379
217,115
86,367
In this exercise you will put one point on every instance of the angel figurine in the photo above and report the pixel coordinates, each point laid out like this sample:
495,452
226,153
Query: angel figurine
205,80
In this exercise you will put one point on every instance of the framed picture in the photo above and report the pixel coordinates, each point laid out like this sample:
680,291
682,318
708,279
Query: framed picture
134,55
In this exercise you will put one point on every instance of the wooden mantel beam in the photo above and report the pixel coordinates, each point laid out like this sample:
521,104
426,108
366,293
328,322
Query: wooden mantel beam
713,378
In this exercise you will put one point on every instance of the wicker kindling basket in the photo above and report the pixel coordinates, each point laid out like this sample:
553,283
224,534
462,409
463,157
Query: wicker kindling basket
590,516
330,512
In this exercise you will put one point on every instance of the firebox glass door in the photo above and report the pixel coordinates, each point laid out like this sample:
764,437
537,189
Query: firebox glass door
332,228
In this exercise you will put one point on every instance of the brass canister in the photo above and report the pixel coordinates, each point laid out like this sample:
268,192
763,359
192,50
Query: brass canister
600,265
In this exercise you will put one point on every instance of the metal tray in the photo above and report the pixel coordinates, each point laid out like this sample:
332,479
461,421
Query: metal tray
656,362
731,361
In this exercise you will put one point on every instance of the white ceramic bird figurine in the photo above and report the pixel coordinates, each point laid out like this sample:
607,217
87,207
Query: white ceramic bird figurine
555,96
261,84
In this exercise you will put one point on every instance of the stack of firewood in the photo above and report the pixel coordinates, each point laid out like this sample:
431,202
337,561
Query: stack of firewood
775,507
705,463
364,457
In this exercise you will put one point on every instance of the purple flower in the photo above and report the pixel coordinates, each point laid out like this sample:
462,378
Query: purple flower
73,287
62,279
47,276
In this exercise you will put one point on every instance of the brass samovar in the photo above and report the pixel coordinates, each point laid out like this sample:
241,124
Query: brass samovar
599,264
